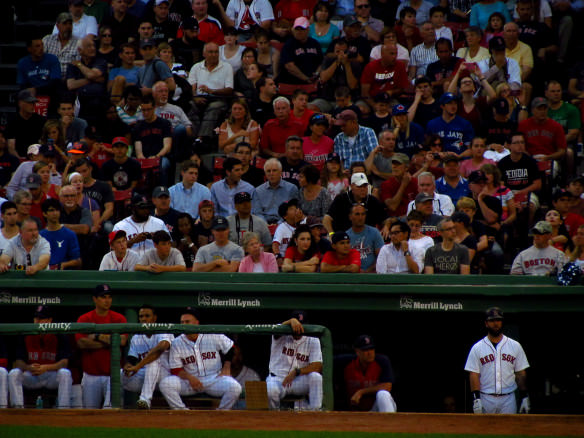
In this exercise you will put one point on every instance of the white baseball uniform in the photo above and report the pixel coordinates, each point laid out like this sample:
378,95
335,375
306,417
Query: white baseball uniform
110,262
3,388
497,367
146,379
201,359
60,380
133,228
286,355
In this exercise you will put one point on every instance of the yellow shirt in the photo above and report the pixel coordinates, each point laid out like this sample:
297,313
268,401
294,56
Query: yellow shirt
463,52
522,54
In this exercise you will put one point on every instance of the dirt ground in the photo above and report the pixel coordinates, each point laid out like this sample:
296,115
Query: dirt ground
532,425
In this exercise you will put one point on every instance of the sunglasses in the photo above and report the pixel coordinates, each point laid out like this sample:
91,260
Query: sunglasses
363,6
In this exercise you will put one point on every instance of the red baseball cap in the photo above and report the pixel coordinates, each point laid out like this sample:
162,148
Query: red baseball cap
123,140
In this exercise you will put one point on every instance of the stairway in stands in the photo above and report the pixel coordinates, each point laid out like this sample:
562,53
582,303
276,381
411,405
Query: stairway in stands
39,17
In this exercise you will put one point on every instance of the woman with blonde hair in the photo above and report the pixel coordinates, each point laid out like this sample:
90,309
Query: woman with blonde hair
76,180
44,171
238,127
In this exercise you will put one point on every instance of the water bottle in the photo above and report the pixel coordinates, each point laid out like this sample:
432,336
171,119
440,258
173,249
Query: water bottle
39,402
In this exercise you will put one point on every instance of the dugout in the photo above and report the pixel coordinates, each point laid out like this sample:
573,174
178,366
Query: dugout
425,324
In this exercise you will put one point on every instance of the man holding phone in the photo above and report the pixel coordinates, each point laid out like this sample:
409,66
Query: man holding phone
397,257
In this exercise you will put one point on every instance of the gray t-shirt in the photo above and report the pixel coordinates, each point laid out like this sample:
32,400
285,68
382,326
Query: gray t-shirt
534,261
230,252
151,256
237,228
446,262
20,259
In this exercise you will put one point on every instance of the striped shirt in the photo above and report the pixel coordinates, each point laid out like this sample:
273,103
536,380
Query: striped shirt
421,56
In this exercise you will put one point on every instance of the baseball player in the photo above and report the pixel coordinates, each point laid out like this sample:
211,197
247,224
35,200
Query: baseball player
369,378
295,365
140,226
3,374
95,350
200,363
147,361
41,362
496,366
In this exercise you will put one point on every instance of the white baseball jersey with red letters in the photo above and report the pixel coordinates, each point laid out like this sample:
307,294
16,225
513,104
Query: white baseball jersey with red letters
497,366
142,344
200,358
288,353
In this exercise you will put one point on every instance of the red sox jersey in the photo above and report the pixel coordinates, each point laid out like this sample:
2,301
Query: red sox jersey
288,353
200,358
497,366
142,344
133,228
43,349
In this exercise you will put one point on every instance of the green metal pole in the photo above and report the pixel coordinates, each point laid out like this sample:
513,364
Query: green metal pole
327,370
115,384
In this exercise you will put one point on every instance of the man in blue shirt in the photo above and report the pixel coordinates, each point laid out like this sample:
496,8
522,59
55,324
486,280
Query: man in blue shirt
65,253
452,183
124,75
273,192
223,191
39,70
186,195
364,238
456,133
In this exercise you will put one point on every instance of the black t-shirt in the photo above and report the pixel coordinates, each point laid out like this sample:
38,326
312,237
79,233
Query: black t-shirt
101,192
291,172
262,111
306,56
25,132
187,54
200,231
254,176
427,112
151,135
8,164
497,132
519,175
536,35
378,124
121,175
164,31
341,206
492,204
108,130
170,219
121,30
91,89
437,71
358,46
339,78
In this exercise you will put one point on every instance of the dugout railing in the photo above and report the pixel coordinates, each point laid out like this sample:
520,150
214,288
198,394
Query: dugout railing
116,330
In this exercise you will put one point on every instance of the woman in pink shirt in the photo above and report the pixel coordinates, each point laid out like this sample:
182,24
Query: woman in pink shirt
317,146
478,147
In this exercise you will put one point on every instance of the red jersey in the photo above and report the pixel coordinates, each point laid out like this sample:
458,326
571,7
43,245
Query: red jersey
572,221
290,9
293,254
97,362
382,79
378,371
275,133
316,154
353,258
543,138
390,187
43,349
209,31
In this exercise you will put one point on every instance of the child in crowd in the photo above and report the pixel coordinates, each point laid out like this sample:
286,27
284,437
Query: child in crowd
333,178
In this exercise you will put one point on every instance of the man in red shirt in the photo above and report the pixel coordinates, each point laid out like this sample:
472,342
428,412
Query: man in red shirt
342,258
95,350
369,378
277,130
545,137
561,202
385,75
209,27
399,189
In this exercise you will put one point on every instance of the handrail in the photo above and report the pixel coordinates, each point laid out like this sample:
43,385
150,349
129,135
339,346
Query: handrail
116,329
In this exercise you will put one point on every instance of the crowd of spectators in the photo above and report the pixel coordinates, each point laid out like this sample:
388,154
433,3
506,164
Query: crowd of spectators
298,136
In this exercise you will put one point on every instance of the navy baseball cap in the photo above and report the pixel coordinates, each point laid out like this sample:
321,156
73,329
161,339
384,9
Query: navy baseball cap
160,191
477,177
147,42
220,223
382,98
190,23
300,315
497,43
101,290
33,181
318,119
333,156
339,236
493,313
192,311
241,197
398,109
501,106
47,150
141,201
364,342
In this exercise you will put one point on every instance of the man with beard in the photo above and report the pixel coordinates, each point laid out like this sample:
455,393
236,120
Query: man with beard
140,226
496,366
188,50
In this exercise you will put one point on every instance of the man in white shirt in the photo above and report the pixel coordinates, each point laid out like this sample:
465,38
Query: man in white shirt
120,258
396,257
442,204
246,16
212,80
83,24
